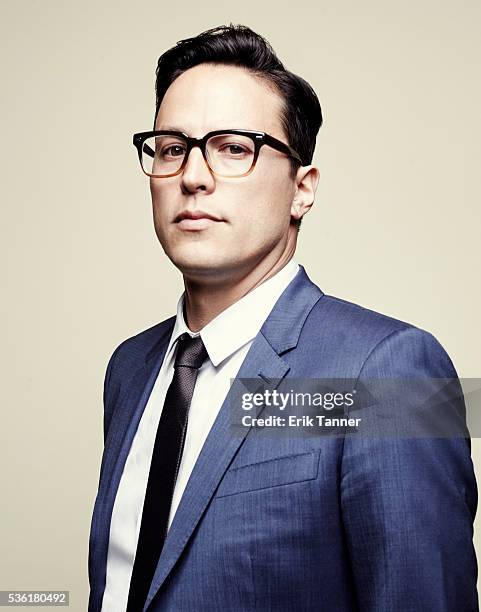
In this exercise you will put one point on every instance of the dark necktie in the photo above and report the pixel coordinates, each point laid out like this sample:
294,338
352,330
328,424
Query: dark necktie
166,456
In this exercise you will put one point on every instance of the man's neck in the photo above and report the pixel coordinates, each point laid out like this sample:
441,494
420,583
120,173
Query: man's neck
204,301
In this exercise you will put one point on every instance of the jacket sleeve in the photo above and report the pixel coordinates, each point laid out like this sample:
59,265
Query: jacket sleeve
408,503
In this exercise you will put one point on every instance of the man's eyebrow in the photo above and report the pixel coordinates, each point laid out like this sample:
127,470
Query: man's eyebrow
170,128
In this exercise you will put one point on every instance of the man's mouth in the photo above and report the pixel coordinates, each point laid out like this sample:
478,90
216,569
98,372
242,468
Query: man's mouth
195,220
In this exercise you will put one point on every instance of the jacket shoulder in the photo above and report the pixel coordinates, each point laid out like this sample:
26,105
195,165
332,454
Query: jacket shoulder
141,343
132,352
126,359
336,327
341,315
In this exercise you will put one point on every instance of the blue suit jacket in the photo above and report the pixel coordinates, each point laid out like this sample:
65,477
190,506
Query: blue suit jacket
303,523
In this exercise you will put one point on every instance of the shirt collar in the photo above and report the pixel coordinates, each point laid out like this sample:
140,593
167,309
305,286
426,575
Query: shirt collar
240,322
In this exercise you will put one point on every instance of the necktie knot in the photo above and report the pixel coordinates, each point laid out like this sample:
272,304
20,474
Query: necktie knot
191,352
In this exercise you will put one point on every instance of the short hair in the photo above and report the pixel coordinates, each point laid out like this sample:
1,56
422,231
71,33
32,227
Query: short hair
238,45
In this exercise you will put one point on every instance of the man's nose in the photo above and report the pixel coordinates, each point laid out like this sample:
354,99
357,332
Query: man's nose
197,175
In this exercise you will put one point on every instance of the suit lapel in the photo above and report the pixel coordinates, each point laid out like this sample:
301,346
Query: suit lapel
279,334
119,439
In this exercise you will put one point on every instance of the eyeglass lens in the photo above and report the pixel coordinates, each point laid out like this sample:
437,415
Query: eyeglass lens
227,154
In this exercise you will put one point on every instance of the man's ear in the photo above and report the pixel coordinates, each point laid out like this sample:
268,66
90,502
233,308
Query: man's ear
307,179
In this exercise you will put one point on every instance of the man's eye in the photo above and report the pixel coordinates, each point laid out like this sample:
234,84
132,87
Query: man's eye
173,151
234,149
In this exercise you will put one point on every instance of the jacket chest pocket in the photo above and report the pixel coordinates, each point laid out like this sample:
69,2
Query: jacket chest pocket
274,472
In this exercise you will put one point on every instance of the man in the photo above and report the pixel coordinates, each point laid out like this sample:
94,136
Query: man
190,513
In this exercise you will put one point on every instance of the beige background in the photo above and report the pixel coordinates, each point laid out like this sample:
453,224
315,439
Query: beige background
395,226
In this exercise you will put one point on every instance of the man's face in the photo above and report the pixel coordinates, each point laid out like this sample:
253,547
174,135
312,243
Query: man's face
254,211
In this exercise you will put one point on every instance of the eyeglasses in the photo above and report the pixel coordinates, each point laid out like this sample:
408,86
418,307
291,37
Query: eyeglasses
228,153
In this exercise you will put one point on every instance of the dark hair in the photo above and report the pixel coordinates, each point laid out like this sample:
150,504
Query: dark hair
238,45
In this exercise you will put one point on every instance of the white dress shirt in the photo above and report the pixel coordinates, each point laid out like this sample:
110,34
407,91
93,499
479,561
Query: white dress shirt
227,339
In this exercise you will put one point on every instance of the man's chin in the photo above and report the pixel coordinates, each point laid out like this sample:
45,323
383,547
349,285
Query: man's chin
203,267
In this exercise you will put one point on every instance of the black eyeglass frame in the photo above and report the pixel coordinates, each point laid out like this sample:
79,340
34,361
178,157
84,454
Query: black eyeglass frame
259,139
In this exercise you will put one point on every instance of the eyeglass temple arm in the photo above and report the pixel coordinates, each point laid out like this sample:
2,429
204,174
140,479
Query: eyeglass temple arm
148,150
294,155
284,148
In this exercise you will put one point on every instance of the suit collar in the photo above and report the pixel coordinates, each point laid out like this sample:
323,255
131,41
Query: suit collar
283,327
239,323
